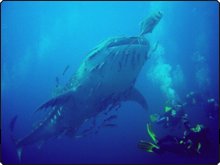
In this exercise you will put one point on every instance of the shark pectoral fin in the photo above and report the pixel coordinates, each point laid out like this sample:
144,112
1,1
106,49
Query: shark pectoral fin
57,101
135,95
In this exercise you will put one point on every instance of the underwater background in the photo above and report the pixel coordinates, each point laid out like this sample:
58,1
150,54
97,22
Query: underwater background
40,39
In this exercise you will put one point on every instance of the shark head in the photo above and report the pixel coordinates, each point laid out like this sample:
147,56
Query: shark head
122,50
129,51
127,41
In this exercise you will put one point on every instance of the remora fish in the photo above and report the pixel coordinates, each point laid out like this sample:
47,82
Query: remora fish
12,123
106,76
110,118
148,24
66,68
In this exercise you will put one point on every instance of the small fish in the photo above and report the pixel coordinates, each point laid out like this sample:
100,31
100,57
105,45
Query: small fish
117,107
110,125
78,136
57,81
94,122
64,71
155,46
12,123
110,118
119,66
87,130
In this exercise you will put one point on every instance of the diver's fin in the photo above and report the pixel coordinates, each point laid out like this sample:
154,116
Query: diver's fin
135,95
147,146
57,101
151,134
150,146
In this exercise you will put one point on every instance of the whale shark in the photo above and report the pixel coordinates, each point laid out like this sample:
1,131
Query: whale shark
105,78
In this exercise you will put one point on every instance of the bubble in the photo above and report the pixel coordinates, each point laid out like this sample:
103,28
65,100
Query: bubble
202,74
178,76
160,73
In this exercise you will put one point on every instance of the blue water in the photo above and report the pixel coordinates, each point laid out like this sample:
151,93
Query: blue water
39,39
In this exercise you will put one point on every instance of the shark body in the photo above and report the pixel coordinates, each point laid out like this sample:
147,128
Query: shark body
105,78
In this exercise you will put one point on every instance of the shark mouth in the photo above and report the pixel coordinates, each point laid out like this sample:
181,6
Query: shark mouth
128,41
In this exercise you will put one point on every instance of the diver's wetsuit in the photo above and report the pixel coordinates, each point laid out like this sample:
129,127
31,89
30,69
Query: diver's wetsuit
211,108
194,98
194,142
173,118
170,144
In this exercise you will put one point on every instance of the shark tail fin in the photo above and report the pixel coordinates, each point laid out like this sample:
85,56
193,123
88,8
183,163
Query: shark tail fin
18,149
151,133
19,152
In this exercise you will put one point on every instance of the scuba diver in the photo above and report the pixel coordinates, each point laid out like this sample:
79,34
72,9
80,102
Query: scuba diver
174,111
209,104
211,108
194,98
166,144
194,142
195,139
173,116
